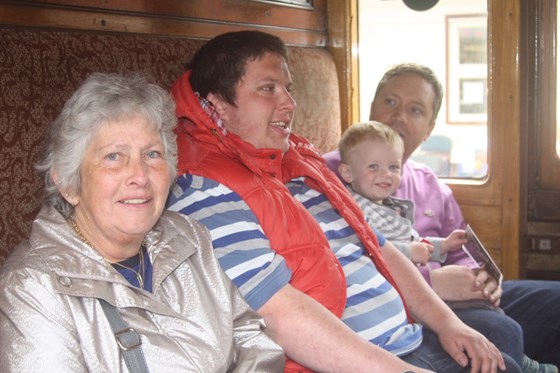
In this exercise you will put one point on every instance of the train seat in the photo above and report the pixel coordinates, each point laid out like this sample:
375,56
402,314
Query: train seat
40,69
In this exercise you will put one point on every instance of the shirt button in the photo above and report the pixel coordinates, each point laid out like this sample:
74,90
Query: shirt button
429,213
65,281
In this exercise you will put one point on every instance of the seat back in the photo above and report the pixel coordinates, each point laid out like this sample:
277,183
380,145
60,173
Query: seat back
40,69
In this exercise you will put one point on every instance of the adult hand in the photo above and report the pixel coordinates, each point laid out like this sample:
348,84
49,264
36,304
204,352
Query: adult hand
466,345
489,287
456,283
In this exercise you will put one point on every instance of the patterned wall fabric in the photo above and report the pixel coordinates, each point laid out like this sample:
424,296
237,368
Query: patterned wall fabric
40,69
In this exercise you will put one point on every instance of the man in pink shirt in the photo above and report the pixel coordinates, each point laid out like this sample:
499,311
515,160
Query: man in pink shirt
408,99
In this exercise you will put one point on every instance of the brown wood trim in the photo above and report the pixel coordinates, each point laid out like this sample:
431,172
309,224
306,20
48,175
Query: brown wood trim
342,27
545,206
505,133
542,171
544,229
483,193
246,11
549,163
45,16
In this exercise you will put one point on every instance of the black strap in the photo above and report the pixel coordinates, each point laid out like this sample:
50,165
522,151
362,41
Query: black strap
127,338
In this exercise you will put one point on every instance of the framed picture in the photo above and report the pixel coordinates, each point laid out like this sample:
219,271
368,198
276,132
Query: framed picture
467,69
306,4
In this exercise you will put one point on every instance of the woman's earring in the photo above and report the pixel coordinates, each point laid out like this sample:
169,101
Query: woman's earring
68,199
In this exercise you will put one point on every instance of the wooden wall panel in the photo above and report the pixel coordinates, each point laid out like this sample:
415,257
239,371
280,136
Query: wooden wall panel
244,11
485,222
540,225
194,18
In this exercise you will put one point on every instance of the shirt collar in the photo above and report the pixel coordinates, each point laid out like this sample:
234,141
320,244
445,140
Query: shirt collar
211,111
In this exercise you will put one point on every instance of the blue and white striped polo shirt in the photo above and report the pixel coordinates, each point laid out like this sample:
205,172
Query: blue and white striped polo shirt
374,309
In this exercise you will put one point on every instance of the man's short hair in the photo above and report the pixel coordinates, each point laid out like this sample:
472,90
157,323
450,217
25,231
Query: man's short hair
424,72
219,64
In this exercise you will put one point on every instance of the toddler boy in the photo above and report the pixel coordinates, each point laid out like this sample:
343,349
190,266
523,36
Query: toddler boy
371,158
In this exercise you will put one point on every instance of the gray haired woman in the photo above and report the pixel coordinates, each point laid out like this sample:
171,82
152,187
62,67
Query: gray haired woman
102,242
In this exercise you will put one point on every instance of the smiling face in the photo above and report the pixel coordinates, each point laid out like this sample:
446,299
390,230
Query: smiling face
264,108
125,180
405,103
373,169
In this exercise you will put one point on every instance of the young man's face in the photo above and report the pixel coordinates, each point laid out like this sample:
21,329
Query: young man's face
373,169
265,108
405,103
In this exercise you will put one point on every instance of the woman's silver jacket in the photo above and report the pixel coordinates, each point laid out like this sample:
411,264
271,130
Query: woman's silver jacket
194,320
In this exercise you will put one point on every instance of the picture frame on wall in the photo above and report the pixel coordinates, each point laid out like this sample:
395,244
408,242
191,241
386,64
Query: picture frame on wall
467,69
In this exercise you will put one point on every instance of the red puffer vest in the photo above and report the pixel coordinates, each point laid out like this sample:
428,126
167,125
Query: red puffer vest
258,177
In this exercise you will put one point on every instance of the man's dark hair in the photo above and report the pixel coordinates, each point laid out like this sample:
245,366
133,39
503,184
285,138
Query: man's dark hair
220,63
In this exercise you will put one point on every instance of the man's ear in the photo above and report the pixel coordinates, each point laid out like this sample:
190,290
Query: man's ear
345,172
430,129
371,110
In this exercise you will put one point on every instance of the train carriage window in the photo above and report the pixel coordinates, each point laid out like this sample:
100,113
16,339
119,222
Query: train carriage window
450,38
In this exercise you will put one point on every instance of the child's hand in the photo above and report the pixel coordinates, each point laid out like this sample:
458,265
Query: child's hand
421,252
454,241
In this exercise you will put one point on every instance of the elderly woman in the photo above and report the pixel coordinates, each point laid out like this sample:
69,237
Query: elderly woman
103,252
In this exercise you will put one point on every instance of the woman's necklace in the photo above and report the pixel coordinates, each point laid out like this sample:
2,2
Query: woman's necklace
138,274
